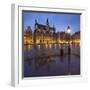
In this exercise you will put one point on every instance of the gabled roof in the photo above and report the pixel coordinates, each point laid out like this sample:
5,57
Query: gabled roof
43,27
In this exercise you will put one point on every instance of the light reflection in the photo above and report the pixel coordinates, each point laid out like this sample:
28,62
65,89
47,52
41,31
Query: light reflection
38,46
55,45
29,47
50,46
46,45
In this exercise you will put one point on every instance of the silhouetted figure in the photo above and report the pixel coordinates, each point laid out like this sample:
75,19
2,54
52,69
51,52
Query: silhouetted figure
69,50
61,51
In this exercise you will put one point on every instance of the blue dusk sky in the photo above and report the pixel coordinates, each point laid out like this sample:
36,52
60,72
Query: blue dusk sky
59,20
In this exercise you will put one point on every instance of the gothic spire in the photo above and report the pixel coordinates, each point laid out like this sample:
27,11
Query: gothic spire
35,21
47,22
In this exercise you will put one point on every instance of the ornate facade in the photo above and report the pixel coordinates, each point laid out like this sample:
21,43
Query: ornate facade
76,37
28,36
45,34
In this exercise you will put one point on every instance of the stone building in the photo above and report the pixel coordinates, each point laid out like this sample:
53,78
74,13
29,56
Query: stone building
28,36
44,34
76,37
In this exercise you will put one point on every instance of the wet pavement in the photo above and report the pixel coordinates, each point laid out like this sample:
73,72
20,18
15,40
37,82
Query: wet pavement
48,61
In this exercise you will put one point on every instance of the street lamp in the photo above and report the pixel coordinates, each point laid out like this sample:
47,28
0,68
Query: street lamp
69,49
69,30
69,35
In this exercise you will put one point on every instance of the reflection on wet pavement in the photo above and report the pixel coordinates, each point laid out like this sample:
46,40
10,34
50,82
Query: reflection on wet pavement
44,60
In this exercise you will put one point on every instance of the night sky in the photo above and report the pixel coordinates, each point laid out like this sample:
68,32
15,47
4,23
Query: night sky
59,20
